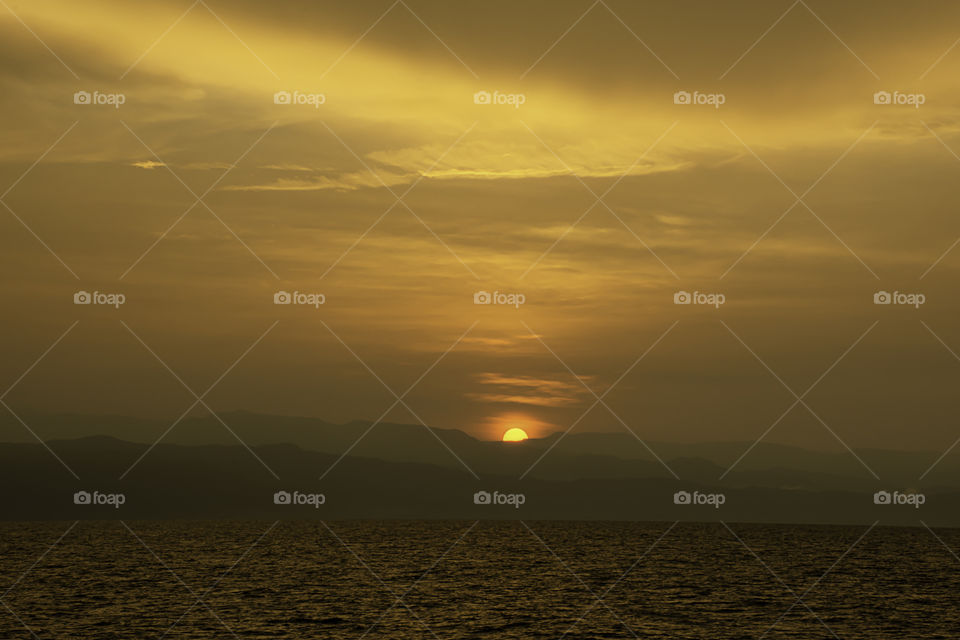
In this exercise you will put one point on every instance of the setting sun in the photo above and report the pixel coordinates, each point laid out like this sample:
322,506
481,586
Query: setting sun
514,435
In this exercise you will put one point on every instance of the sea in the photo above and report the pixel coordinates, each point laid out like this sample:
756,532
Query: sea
489,579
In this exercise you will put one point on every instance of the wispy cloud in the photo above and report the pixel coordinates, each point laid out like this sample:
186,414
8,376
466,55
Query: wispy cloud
543,392
147,164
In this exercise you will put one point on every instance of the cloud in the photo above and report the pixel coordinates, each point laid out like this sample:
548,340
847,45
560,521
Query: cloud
148,164
543,392
337,182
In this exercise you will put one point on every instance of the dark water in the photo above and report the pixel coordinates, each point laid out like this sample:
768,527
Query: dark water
495,580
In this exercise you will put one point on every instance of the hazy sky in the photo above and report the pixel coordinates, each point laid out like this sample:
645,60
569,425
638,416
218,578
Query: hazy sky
313,198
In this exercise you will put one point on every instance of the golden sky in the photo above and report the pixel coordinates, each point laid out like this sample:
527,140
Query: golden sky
399,197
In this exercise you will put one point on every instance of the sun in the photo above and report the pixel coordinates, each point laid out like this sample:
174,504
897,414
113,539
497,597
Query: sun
514,435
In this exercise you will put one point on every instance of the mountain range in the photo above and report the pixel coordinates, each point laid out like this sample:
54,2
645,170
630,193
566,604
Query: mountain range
202,468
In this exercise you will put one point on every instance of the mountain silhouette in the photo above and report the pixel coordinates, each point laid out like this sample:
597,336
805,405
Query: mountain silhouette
200,470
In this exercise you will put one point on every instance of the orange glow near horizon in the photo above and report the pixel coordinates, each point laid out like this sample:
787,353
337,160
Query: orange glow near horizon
495,427
515,435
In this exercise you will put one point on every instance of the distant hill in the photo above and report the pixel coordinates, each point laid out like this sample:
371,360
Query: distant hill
228,482
576,456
